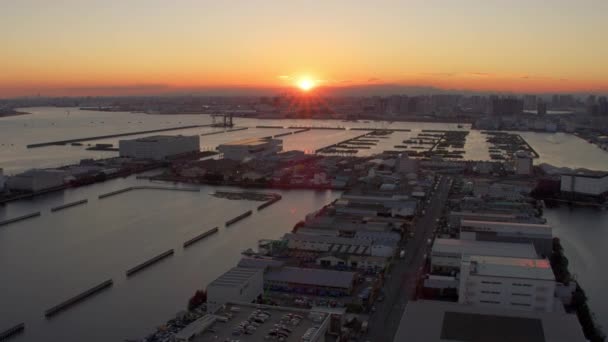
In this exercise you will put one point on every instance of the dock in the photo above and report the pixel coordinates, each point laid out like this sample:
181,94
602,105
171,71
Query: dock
69,205
149,262
200,237
12,331
99,137
238,218
78,298
19,218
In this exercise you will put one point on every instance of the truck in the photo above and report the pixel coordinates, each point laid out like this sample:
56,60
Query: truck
402,253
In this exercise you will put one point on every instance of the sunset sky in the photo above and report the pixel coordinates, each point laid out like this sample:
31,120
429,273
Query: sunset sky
75,47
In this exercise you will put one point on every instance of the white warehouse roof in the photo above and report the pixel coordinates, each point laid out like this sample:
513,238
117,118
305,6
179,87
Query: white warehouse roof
508,227
490,248
504,267
235,276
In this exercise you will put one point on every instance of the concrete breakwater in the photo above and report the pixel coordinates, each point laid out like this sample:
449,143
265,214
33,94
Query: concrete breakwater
68,141
269,203
19,218
238,218
69,205
12,331
78,298
226,131
283,134
149,262
145,187
200,237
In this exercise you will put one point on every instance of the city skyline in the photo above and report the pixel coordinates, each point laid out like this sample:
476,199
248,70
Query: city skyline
153,48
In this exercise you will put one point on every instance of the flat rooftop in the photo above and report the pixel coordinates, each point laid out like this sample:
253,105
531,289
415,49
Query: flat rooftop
299,321
248,142
587,173
428,321
312,277
495,266
507,227
156,138
236,276
472,247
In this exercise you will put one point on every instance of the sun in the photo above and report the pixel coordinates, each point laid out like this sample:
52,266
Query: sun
306,84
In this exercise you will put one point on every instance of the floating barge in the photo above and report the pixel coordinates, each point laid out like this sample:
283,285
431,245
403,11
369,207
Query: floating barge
12,331
69,205
238,218
19,218
200,237
78,298
148,263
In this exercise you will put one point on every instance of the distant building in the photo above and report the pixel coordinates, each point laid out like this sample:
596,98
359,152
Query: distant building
589,183
405,164
435,321
239,284
507,106
36,180
303,279
541,108
250,148
159,147
523,163
540,235
507,283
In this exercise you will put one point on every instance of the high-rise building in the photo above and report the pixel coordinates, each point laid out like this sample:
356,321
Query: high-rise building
507,106
530,102
541,108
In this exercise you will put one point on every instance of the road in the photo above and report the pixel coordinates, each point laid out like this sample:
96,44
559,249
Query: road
401,284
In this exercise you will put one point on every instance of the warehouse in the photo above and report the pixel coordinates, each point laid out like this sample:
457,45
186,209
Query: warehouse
447,254
37,180
310,280
159,147
540,235
250,148
584,182
238,284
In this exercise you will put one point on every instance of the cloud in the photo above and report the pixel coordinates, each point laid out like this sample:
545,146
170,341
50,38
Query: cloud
373,79
479,74
438,74
284,77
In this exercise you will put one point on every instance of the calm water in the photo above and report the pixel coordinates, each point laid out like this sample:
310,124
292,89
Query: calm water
48,259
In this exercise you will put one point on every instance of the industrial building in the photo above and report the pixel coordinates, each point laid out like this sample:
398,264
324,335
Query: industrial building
2,179
447,254
310,279
540,235
159,147
238,284
588,183
336,244
523,163
507,283
253,322
37,180
250,148
434,321
455,217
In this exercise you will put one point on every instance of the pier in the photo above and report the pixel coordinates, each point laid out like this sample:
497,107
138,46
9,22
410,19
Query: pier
200,237
269,203
146,187
19,218
69,205
78,298
238,218
12,331
69,141
148,263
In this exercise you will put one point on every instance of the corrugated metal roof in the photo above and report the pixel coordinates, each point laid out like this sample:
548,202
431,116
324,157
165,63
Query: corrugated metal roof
311,276
235,276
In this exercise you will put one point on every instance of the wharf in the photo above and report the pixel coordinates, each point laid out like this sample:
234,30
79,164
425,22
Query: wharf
238,218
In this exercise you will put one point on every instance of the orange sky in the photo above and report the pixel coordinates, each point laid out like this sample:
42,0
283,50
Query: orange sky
70,47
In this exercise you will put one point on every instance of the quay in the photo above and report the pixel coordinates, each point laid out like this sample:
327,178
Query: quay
149,262
238,218
69,141
69,205
78,298
200,237
12,331
19,218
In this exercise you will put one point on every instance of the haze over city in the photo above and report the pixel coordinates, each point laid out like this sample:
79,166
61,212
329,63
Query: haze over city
303,171
141,47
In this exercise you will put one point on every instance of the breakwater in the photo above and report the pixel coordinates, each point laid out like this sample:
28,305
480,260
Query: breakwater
145,187
78,298
238,218
200,237
225,131
19,218
69,205
148,263
68,141
269,203
12,331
